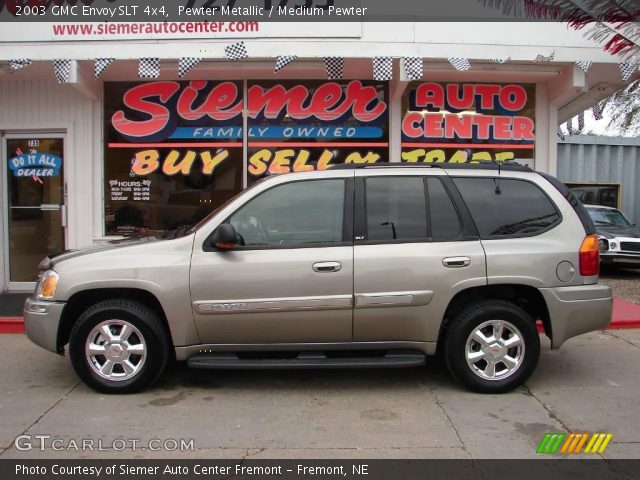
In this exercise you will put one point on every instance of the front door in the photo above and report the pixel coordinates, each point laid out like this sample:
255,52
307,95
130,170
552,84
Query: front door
291,280
34,204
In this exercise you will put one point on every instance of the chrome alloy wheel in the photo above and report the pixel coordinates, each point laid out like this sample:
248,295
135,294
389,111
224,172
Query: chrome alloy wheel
494,350
116,350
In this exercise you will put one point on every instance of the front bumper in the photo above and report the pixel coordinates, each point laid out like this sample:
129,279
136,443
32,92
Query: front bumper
577,310
632,259
41,321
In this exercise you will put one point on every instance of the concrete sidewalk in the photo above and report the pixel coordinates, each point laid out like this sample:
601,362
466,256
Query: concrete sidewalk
590,385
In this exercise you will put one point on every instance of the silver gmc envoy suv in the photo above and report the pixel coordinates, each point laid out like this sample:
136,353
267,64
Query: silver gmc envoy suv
355,266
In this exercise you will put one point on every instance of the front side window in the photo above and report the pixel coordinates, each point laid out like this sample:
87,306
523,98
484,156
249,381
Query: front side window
507,207
293,214
396,209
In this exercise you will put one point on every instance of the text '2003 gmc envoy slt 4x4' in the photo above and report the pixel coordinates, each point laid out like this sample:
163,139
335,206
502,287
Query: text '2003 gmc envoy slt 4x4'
368,266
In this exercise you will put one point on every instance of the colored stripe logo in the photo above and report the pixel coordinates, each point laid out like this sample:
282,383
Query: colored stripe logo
574,443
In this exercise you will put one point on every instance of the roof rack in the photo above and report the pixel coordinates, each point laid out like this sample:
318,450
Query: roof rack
480,165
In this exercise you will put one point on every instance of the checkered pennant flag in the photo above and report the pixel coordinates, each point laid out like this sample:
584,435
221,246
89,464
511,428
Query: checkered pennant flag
62,69
382,68
187,63
413,67
580,122
569,125
282,61
500,60
101,65
584,65
237,51
597,109
541,58
460,64
627,69
560,133
334,67
18,63
149,67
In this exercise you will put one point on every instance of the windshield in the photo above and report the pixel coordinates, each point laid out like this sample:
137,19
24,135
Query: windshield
608,217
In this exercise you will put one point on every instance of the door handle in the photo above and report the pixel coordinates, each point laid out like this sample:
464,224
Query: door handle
456,262
64,215
326,267
50,207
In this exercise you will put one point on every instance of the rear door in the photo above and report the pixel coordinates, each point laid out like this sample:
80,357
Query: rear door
415,248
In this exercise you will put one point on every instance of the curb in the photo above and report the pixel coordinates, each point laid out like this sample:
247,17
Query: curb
11,325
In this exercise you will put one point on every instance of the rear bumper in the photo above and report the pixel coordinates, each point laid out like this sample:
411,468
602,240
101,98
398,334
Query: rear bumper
41,322
577,310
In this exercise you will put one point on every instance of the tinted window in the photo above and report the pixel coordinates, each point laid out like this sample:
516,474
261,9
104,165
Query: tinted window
506,206
445,222
293,214
396,208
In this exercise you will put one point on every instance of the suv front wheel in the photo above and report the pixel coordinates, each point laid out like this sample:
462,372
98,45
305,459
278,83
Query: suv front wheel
118,346
492,347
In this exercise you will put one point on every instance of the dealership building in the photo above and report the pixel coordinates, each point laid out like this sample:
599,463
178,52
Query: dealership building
108,130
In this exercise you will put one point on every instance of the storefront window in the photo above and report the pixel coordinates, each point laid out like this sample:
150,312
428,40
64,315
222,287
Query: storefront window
312,125
173,152
468,122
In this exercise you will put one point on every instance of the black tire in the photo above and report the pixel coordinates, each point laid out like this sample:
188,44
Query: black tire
462,326
145,320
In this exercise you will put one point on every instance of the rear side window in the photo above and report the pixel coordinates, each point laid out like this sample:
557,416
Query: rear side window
445,222
507,207
396,209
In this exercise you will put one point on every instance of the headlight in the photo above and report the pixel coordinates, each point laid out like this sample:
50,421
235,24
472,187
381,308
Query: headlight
47,285
613,245
603,244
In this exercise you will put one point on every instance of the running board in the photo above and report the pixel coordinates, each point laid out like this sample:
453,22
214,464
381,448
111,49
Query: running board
226,361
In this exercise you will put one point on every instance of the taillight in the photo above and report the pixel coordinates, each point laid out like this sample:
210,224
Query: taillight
589,256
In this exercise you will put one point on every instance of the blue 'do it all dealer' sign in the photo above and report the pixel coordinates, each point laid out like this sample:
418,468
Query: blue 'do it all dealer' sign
35,164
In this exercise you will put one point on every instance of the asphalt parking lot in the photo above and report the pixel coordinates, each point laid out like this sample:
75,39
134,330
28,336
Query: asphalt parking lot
624,282
590,385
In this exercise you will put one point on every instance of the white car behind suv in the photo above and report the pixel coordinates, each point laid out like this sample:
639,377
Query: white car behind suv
619,238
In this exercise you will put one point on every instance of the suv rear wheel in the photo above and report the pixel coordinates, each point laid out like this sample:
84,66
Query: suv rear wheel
492,347
118,346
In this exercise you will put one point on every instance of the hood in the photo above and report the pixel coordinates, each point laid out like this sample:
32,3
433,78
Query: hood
613,231
56,258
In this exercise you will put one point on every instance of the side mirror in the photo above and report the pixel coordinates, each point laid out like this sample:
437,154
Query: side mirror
224,237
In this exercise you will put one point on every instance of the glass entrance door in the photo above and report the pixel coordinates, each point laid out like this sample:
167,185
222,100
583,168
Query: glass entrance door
34,204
